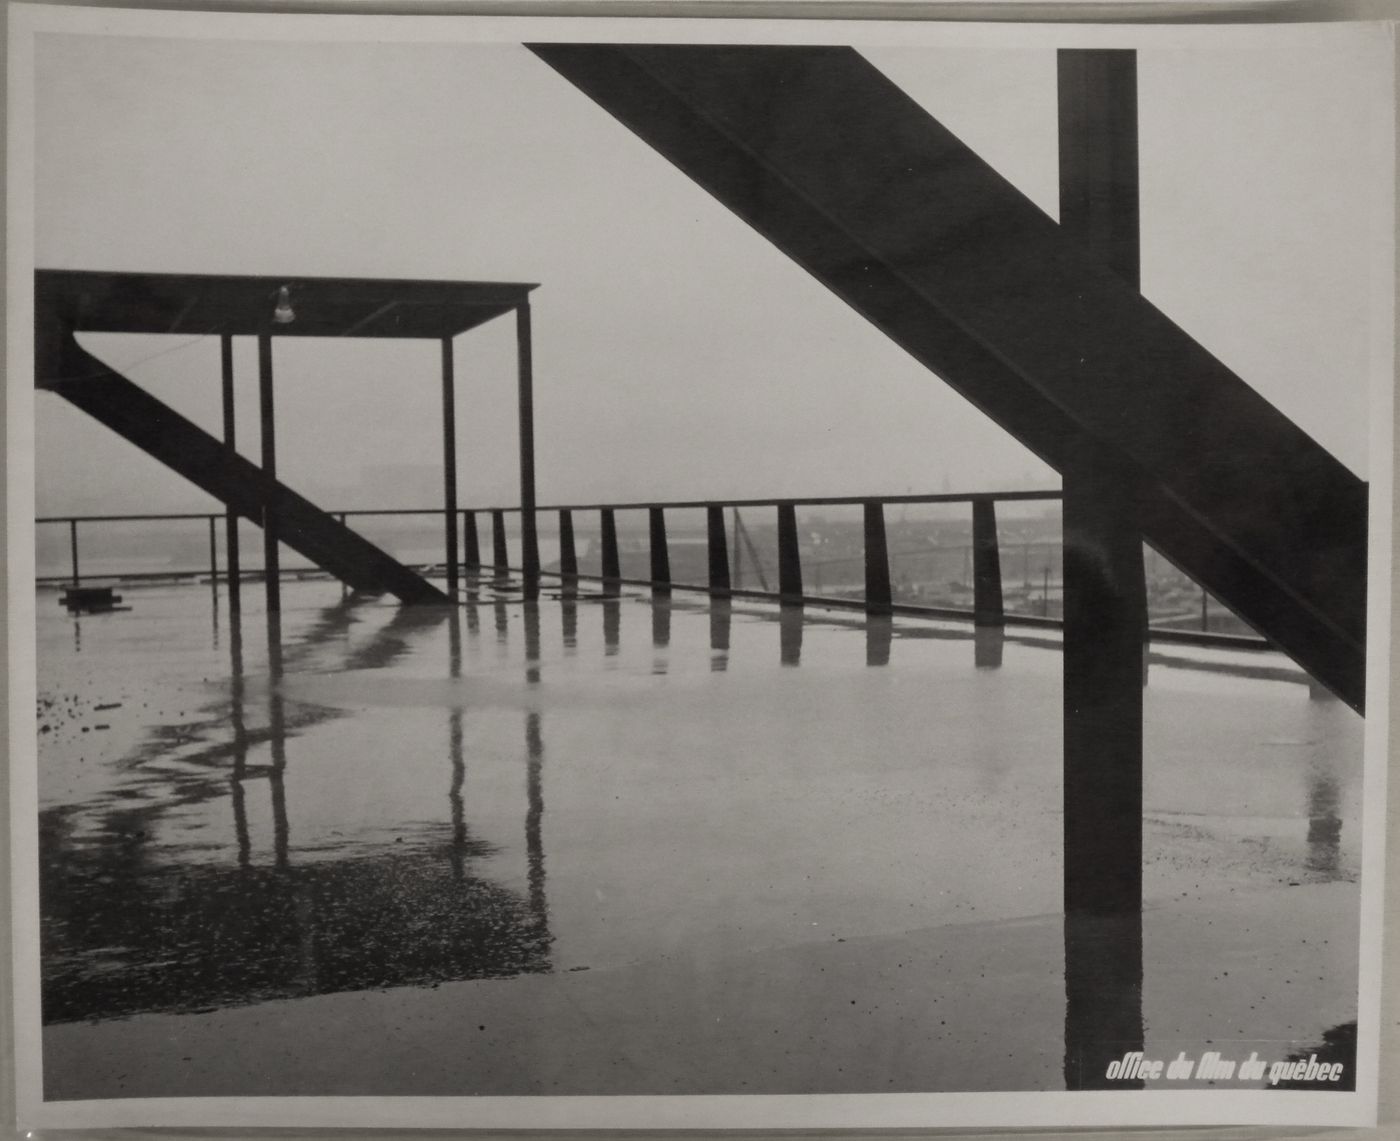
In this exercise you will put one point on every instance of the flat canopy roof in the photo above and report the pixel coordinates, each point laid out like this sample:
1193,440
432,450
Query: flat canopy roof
241,305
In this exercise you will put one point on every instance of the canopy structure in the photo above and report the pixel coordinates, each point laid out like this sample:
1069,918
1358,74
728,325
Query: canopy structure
70,302
191,304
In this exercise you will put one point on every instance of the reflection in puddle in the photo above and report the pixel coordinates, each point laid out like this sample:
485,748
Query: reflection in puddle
879,636
125,931
1103,997
791,620
397,759
123,935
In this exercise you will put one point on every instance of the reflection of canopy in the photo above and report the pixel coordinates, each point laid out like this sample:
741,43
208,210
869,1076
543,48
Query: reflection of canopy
123,934
122,937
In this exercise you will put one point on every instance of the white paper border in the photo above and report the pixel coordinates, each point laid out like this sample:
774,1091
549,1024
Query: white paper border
823,1112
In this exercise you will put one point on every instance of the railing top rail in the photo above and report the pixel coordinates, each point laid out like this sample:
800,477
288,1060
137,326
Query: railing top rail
147,518
677,505
802,501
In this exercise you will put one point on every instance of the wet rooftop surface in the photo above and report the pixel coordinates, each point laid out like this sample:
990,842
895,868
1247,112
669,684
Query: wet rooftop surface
651,845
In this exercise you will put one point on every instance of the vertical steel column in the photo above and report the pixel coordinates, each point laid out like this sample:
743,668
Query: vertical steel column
789,557
879,596
231,554
500,553
1105,594
529,540
719,555
449,464
612,565
271,561
73,548
1099,204
660,554
473,558
986,566
568,552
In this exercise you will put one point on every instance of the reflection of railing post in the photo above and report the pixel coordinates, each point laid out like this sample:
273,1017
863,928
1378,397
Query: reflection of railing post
213,558
719,556
473,553
660,556
500,555
789,557
986,566
1103,998
879,596
73,548
568,551
612,565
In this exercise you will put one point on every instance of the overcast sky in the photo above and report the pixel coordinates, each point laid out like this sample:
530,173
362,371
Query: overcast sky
678,355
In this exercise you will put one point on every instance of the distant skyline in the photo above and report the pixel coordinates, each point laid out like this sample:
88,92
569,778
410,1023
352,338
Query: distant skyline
678,354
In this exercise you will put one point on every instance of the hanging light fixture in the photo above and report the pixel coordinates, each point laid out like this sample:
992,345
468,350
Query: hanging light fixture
284,314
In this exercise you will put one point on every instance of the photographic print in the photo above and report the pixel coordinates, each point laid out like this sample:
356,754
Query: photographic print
653,572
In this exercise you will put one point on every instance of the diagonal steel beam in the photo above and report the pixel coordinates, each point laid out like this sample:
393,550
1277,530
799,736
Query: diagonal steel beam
829,160
66,368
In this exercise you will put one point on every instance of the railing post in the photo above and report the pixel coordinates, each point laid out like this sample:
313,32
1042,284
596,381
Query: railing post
568,551
660,555
1205,611
719,555
473,556
879,596
986,566
612,565
500,553
73,548
789,557
231,553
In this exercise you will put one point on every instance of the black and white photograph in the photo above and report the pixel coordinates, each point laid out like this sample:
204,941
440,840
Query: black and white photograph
650,572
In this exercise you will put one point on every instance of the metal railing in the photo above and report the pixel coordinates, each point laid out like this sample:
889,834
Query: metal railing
877,594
